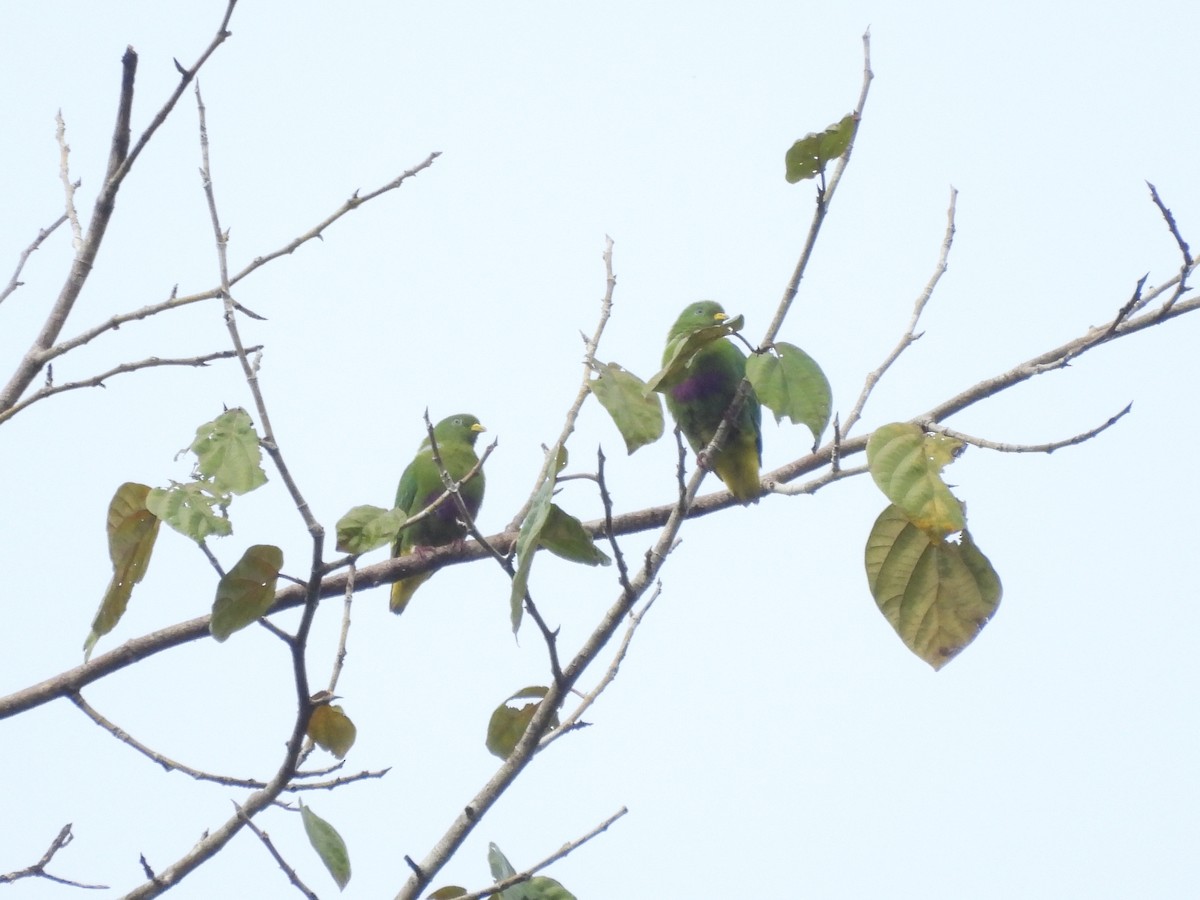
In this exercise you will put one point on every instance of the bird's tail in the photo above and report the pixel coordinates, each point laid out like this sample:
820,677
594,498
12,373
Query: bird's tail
403,590
739,470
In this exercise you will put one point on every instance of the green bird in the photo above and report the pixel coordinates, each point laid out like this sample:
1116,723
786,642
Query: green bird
421,484
699,400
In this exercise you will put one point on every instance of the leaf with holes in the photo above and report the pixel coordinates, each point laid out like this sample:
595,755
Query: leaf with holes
808,156
508,723
194,509
228,453
906,463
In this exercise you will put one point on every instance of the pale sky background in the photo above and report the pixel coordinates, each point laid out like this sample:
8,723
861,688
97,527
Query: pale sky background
769,733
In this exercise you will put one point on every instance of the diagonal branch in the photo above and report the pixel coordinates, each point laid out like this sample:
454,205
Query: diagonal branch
98,380
120,160
15,282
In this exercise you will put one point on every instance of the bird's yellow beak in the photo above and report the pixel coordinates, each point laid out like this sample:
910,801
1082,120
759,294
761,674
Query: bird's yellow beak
720,317
477,427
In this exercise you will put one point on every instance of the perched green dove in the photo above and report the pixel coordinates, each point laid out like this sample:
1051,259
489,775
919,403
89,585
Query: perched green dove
698,402
421,484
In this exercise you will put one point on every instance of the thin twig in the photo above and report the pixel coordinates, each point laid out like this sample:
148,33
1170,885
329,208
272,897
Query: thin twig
166,762
15,282
606,500
122,369
278,857
69,186
572,720
1031,448
910,335
1184,250
585,387
38,869
121,158
250,370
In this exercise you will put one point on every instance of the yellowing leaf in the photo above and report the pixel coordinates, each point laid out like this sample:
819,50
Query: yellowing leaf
365,528
132,530
906,464
228,452
564,535
790,383
329,846
247,590
683,349
331,728
937,595
808,156
508,723
637,414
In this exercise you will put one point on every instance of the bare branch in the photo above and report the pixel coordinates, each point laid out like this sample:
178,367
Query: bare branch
1184,250
121,158
1031,448
248,369
15,282
166,762
278,857
38,869
98,380
585,387
571,721
910,335
69,186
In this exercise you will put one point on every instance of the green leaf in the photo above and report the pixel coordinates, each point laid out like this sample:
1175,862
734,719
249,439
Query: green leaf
564,535
228,452
637,413
527,543
808,156
329,846
447,893
906,463
132,530
683,349
247,590
537,888
499,864
365,528
192,509
331,728
791,384
508,723
936,594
